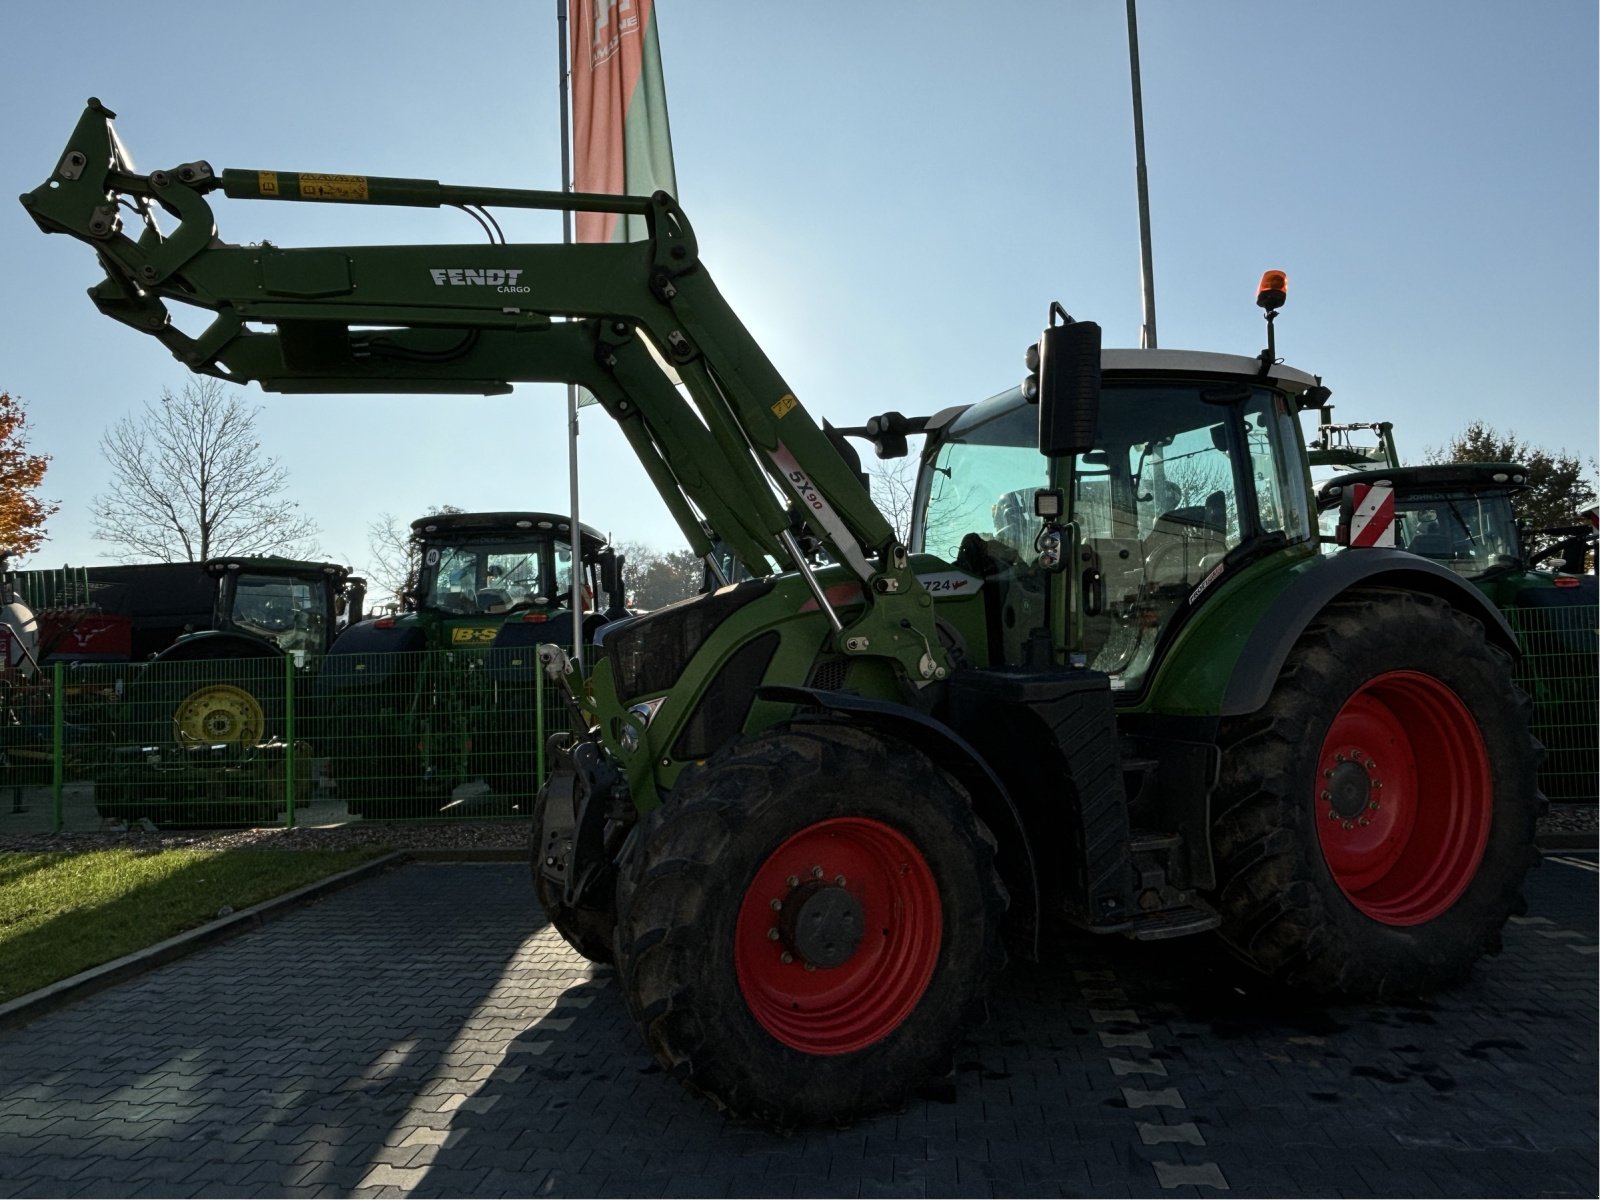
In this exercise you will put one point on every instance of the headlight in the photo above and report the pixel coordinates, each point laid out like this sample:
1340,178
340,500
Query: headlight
643,714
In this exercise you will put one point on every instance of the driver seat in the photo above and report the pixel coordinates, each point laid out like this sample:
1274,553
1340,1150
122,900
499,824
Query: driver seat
1186,542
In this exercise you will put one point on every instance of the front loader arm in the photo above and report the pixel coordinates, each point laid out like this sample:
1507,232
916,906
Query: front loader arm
735,456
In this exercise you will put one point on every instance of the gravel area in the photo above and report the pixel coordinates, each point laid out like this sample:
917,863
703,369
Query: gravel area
453,836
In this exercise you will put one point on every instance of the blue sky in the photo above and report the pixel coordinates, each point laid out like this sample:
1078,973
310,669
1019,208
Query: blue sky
890,194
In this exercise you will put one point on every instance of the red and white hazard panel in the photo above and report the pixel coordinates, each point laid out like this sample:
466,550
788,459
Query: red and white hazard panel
1366,515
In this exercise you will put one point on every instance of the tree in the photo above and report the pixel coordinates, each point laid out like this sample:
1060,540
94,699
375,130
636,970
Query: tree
1557,492
189,482
392,569
651,580
894,491
22,513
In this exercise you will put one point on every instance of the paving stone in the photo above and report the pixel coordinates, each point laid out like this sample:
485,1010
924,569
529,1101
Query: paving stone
325,1065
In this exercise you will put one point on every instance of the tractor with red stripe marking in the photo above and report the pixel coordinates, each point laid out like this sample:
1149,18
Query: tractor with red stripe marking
808,812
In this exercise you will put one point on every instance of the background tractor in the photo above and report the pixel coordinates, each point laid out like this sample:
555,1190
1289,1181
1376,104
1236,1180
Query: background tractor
202,732
1110,683
435,709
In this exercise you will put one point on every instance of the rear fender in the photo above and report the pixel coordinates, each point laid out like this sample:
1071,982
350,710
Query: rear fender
1274,634
218,643
948,750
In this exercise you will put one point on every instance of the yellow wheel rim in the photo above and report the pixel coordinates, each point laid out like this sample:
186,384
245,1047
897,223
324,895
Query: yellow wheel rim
218,713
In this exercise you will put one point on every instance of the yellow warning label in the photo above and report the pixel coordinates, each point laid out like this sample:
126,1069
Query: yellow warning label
333,187
782,407
267,183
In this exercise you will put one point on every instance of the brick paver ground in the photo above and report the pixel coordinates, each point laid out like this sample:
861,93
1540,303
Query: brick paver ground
425,1034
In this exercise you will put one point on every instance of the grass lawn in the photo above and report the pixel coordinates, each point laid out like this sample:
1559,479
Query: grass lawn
63,913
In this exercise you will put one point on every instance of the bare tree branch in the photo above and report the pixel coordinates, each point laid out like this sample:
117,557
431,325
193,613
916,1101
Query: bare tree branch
189,482
392,562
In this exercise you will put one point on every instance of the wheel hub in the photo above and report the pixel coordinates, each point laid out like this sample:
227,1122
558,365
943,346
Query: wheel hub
1349,790
822,924
219,713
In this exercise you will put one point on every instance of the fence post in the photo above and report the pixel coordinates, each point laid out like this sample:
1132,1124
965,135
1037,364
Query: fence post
538,725
288,736
57,740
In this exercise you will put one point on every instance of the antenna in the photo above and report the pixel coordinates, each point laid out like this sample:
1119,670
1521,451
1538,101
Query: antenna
1147,281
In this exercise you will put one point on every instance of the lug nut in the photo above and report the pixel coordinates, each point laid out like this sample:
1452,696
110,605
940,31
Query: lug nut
786,957
777,905
811,966
816,872
794,882
1332,815
772,934
839,879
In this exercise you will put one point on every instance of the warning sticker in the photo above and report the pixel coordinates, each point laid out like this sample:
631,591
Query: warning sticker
333,187
783,407
1367,515
267,183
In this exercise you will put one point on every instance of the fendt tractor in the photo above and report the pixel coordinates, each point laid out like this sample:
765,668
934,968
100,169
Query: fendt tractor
1109,683
1460,515
433,709
202,730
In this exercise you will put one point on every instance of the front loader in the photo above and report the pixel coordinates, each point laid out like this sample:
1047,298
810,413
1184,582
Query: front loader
1109,683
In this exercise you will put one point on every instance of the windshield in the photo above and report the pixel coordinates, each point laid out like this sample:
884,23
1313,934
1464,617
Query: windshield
1182,473
493,577
294,613
1473,535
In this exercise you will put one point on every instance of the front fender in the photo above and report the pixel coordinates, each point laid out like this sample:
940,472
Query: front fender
992,801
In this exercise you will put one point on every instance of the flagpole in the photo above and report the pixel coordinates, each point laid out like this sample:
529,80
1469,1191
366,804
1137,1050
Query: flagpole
575,597
1147,279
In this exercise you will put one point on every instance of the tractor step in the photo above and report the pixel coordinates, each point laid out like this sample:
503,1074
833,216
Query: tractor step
1171,923
1142,842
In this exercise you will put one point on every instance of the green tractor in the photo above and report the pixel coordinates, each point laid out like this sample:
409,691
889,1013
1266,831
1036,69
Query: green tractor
1460,516
203,730
1109,684
433,711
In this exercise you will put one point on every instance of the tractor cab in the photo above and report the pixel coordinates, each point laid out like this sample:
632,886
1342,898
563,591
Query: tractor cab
1194,473
295,606
1456,514
478,572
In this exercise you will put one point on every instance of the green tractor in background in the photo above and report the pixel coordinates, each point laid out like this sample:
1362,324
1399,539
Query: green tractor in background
1460,516
435,710
202,733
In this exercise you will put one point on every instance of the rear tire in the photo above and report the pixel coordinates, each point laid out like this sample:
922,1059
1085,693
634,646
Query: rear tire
818,846
1376,819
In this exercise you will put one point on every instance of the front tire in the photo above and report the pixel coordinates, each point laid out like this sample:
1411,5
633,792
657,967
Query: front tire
808,927
1375,820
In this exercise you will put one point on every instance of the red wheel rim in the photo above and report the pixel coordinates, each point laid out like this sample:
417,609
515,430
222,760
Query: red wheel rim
837,1009
1404,798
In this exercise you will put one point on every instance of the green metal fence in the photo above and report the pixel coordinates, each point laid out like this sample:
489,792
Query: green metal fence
1559,671
445,735
440,735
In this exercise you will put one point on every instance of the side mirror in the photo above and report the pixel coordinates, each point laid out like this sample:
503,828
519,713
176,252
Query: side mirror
1068,374
611,581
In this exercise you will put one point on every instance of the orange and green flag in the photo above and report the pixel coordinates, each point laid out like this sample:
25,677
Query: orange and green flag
621,142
